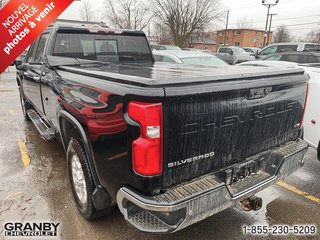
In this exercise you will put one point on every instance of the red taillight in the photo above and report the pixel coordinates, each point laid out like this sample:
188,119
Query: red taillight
147,149
305,105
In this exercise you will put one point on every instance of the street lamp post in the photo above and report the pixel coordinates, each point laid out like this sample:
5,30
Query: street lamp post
268,36
268,5
225,34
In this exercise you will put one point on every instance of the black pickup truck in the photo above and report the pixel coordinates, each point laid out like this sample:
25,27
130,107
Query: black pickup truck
169,145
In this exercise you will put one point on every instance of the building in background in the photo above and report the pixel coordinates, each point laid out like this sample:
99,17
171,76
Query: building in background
242,37
204,41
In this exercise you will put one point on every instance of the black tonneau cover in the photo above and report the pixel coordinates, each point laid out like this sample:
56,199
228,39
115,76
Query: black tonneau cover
161,75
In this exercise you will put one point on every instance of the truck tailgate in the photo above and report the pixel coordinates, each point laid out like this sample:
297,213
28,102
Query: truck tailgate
208,127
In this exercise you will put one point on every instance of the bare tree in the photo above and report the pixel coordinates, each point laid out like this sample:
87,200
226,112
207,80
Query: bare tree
245,23
128,14
185,17
86,11
161,33
313,36
282,34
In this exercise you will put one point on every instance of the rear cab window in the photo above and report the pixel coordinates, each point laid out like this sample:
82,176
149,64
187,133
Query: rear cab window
102,47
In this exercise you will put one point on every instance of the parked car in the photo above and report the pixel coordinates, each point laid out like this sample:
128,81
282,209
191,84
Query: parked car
188,57
169,144
190,49
251,49
312,113
164,47
234,55
287,47
311,121
297,57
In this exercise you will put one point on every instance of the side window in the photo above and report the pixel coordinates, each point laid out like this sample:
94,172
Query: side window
269,50
31,52
226,50
291,58
158,58
273,58
41,46
311,59
168,60
287,48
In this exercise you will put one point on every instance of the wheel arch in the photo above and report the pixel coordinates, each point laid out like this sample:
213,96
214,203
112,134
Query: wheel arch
68,124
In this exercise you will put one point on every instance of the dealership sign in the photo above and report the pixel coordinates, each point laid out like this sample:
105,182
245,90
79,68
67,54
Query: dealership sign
21,22
39,229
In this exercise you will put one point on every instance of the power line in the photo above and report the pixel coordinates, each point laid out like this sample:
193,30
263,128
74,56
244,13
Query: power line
299,24
289,25
254,6
282,19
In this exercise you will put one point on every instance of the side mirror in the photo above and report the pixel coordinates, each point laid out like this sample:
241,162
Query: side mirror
22,67
17,63
231,53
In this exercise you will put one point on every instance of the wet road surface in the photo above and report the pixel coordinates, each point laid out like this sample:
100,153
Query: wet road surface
39,190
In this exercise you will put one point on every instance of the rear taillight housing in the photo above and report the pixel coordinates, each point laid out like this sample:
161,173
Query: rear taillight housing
147,149
305,105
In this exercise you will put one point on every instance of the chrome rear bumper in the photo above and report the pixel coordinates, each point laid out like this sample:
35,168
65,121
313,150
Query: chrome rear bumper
203,197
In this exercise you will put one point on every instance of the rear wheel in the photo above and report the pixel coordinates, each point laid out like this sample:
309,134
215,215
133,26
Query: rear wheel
25,106
81,181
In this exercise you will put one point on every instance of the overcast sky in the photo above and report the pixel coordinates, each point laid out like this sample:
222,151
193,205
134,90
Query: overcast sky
299,15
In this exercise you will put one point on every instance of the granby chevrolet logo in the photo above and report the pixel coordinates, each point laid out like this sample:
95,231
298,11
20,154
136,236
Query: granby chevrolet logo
18,229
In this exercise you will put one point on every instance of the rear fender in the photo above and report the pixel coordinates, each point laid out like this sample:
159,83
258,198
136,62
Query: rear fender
99,194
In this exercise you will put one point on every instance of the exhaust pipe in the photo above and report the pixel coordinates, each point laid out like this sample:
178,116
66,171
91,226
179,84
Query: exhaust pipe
252,203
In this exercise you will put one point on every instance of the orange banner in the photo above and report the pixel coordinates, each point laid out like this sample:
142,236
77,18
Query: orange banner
22,21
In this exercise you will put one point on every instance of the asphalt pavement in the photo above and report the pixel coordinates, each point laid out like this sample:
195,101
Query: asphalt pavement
34,187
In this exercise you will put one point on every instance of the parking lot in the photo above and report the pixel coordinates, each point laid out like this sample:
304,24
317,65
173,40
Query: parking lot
34,187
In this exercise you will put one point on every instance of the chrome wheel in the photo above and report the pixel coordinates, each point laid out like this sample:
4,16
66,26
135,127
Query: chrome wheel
79,181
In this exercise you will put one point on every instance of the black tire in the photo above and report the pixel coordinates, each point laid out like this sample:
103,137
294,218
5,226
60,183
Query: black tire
25,105
87,209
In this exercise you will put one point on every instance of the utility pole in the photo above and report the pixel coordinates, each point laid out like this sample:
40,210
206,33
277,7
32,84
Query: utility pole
268,37
268,5
225,33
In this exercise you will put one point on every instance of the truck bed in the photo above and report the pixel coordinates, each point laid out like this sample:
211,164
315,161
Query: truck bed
165,75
